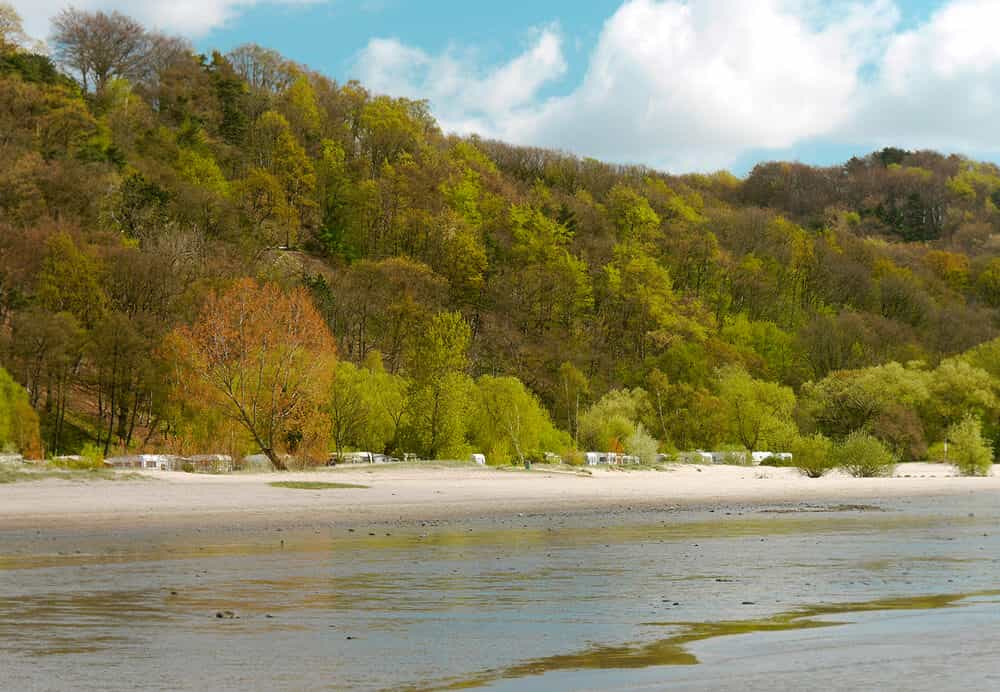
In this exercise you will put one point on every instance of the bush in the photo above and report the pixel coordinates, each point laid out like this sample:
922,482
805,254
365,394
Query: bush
811,455
91,458
969,452
863,456
642,445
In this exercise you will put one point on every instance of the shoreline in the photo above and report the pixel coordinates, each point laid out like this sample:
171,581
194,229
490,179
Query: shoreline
412,495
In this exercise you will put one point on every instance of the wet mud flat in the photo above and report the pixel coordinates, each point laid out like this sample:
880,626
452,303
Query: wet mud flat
805,593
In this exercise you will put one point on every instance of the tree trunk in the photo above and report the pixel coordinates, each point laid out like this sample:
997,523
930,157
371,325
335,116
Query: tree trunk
275,460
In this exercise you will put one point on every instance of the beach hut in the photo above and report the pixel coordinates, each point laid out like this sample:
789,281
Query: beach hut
145,462
11,459
211,463
255,462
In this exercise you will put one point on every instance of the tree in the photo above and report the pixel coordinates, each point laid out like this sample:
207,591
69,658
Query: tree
642,445
758,412
98,46
122,376
633,217
264,357
971,454
18,421
47,350
508,420
574,388
348,405
613,419
440,391
275,150
957,389
12,36
69,280
988,283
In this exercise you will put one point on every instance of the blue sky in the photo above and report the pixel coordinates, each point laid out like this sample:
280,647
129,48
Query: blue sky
676,84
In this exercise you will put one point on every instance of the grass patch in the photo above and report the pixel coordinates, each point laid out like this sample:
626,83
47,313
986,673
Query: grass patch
313,485
16,475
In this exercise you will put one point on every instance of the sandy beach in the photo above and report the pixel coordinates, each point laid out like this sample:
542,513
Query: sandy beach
434,493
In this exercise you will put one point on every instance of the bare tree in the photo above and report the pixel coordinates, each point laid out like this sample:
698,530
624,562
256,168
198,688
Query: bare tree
263,69
12,36
99,47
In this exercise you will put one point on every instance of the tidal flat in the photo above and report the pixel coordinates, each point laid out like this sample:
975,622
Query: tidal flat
896,594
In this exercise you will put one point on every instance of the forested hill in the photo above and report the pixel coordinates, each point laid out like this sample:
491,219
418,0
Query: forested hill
140,185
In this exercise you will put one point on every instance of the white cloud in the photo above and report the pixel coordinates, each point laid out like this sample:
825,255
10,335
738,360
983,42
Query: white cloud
187,17
671,83
938,85
693,85
464,100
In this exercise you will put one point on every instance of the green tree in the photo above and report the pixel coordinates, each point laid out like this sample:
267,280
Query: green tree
18,421
632,216
642,445
613,419
47,351
988,283
759,413
348,406
971,454
69,280
571,395
439,394
276,150
508,420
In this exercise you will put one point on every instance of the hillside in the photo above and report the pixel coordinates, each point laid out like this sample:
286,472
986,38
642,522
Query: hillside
632,304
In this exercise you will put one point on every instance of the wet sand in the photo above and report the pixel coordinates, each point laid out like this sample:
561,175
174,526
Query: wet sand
848,594
410,494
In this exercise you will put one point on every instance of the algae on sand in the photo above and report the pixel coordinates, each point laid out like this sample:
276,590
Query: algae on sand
671,651
313,485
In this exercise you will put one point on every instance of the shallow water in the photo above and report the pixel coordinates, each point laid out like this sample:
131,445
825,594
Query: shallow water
904,598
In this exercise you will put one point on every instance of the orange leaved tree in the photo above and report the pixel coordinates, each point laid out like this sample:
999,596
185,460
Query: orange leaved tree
263,357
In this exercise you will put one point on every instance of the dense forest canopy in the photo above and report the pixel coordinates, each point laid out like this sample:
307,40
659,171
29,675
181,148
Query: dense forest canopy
460,293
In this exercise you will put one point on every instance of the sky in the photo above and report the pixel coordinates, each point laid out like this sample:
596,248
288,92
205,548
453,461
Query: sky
679,85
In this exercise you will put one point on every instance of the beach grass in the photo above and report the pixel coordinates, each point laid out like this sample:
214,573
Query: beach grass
19,474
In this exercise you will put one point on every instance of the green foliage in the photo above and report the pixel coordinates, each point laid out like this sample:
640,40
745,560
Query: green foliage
440,393
813,455
971,454
90,458
759,413
863,456
18,421
612,420
642,445
178,175
69,280
509,421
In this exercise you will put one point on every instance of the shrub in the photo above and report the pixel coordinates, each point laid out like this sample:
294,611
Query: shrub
642,445
863,456
811,455
91,458
969,452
